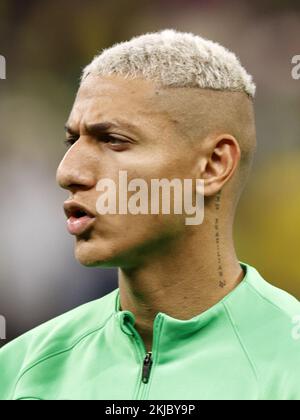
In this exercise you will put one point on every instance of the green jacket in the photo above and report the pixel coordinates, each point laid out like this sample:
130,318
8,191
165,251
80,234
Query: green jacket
244,347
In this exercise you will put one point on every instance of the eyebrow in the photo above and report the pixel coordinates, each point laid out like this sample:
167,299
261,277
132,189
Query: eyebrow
102,127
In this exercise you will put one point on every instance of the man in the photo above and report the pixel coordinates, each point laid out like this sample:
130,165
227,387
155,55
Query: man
188,321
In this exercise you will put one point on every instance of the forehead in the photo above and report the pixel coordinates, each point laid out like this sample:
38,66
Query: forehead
111,96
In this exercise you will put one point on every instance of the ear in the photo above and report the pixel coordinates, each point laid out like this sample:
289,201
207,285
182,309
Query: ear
221,159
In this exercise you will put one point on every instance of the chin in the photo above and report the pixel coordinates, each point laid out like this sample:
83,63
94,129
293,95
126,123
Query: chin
90,254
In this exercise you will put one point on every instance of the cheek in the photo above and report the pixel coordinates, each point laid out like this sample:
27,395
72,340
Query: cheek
116,234
157,165
112,233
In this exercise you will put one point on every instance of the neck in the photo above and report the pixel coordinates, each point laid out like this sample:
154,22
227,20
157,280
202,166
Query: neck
181,282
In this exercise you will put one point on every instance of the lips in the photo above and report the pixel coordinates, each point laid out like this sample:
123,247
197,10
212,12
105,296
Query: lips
79,218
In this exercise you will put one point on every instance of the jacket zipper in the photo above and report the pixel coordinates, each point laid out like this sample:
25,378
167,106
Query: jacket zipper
147,364
147,359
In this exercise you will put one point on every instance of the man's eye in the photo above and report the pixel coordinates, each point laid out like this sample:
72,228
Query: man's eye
115,142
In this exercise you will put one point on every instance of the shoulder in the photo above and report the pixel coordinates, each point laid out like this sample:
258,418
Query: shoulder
267,320
55,336
64,330
269,305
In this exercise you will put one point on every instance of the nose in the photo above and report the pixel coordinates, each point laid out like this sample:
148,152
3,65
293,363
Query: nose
75,171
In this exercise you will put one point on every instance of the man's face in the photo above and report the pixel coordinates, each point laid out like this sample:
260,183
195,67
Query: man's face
143,140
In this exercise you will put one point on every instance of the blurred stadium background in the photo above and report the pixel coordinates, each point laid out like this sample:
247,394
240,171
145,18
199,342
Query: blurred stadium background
46,44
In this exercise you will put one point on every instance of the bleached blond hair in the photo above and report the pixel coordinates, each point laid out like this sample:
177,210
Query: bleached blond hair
174,59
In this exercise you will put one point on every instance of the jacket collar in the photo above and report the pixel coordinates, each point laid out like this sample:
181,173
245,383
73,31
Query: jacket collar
167,329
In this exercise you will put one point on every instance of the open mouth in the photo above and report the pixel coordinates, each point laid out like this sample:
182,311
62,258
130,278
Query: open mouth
79,218
77,214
